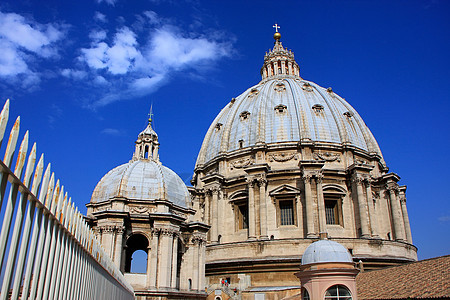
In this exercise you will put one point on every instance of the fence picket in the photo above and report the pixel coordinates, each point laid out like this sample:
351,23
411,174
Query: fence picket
50,241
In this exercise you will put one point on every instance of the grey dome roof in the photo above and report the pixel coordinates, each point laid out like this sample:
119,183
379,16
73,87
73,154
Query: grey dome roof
325,251
142,179
286,108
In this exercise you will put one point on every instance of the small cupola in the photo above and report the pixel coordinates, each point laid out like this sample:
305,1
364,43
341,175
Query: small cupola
147,144
279,61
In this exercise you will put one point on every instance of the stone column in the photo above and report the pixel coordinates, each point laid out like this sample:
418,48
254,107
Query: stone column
372,213
118,250
402,197
251,209
321,207
262,182
207,205
196,262
290,68
215,217
165,258
174,261
201,265
362,205
152,271
310,231
396,211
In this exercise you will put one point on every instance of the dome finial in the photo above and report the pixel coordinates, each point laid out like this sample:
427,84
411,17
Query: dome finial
277,35
150,114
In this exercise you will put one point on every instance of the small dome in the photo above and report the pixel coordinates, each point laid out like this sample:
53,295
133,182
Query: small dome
144,177
326,251
142,180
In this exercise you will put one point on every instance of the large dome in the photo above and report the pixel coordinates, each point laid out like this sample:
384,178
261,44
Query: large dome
144,177
285,108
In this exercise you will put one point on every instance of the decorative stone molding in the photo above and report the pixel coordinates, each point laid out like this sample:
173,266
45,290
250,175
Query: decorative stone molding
140,209
361,161
241,163
283,156
165,231
261,180
319,177
250,181
307,177
110,228
392,186
327,156
358,178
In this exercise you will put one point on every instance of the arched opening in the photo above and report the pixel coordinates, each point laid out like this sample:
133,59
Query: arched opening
136,254
338,292
305,294
190,284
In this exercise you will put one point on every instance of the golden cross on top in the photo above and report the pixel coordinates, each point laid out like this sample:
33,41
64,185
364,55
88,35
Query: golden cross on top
276,27
150,115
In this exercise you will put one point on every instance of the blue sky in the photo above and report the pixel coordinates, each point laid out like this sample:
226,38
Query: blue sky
82,75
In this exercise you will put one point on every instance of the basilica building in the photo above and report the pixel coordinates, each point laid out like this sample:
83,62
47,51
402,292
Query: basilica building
283,165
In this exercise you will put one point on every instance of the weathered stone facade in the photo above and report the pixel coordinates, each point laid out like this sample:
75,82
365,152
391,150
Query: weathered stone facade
284,164
143,205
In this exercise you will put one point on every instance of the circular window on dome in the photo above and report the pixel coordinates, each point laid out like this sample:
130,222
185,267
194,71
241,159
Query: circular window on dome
338,292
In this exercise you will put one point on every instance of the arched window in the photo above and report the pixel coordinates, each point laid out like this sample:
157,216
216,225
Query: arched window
305,294
338,292
136,254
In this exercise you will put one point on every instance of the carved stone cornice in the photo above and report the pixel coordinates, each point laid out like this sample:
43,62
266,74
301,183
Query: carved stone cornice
163,231
110,228
392,186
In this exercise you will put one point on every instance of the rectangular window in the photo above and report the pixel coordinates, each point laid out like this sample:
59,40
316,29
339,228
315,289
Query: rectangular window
243,216
286,212
331,212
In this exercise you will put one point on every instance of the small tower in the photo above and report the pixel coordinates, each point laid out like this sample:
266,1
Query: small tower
147,144
279,61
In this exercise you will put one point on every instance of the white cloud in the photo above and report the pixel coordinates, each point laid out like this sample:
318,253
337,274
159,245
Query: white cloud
136,65
100,17
21,42
118,58
75,74
110,2
97,35
112,131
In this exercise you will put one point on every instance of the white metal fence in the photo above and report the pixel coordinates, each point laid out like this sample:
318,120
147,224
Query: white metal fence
47,251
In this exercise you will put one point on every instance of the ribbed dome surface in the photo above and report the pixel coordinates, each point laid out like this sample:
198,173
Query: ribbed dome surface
285,109
325,251
142,180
